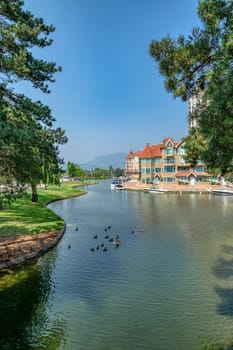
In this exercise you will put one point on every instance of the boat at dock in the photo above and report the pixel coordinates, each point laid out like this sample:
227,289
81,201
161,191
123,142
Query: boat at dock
223,191
117,184
156,190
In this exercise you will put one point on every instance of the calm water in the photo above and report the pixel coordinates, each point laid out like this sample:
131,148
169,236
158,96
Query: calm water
168,286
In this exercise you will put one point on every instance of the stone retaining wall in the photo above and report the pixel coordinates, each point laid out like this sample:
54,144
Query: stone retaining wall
15,251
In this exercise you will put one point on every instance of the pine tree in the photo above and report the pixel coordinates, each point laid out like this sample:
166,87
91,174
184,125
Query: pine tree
26,126
204,61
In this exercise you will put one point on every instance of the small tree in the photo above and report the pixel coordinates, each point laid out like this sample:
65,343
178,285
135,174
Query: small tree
194,145
71,169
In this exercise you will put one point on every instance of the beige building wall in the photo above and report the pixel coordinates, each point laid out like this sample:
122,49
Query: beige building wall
196,101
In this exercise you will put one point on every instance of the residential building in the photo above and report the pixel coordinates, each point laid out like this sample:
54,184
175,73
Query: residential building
196,102
164,162
133,165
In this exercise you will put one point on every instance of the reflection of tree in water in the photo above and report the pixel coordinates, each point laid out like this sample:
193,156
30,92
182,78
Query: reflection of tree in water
218,347
224,271
25,322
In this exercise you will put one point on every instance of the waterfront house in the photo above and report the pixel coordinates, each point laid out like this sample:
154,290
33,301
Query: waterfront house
164,162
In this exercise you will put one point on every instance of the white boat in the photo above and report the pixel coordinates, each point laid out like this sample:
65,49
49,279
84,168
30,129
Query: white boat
225,192
157,190
117,185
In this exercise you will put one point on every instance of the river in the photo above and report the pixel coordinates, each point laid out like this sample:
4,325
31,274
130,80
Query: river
168,286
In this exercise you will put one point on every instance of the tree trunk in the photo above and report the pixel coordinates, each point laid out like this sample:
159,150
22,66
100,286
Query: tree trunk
34,193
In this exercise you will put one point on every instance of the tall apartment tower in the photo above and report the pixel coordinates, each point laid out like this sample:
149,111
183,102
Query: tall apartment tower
196,101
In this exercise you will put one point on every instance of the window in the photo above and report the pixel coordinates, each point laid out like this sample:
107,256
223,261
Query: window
182,160
147,170
143,170
199,169
183,178
169,144
169,151
169,179
169,170
201,179
183,168
158,170
182,151
169,161
157,160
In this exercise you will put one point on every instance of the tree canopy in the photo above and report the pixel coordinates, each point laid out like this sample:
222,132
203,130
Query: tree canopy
28,140
204,60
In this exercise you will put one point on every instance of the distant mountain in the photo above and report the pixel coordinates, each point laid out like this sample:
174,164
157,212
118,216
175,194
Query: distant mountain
116,160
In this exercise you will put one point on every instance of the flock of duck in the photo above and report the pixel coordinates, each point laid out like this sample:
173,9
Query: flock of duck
103,243
107,239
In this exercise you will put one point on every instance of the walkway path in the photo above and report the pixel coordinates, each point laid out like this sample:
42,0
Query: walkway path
198,187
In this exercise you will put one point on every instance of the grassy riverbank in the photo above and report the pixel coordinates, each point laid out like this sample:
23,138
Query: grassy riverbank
23,217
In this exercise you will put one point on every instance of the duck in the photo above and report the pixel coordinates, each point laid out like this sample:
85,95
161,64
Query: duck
117,243
95,237
92,249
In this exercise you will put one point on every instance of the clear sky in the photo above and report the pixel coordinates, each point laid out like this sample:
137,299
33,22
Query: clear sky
110,97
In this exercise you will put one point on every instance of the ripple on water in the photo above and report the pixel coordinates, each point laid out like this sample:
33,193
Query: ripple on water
166,287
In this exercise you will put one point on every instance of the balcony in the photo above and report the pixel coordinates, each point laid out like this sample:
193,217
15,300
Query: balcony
169,161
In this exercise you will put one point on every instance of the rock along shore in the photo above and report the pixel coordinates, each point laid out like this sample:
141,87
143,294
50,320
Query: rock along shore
19,250
16,251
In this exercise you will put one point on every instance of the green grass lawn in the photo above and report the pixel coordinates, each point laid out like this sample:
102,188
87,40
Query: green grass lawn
23,217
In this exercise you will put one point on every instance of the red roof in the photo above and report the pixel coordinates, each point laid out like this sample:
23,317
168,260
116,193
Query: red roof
189,172
151,151
130,155
157,150
186,173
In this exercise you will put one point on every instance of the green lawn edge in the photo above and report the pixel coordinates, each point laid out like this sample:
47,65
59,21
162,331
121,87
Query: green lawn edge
22,217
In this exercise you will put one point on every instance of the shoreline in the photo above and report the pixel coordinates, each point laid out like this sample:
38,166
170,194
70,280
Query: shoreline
23,249
20,250
207,188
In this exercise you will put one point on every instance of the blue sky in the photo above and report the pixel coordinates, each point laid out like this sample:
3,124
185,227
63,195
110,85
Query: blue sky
110,97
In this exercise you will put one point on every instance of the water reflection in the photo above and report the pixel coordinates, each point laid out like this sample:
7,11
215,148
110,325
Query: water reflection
25,321
168,286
